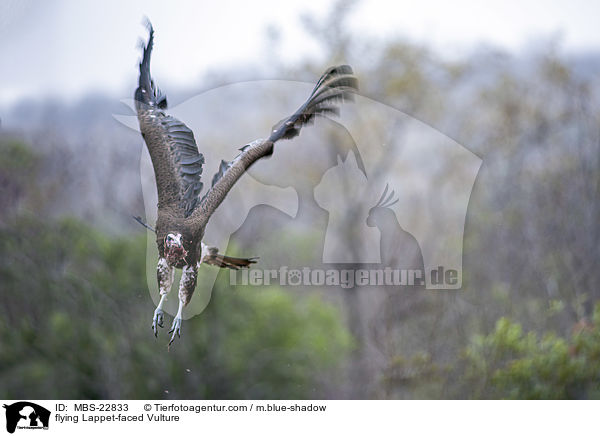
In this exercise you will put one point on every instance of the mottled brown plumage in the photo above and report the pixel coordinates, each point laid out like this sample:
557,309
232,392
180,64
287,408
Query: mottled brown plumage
182,213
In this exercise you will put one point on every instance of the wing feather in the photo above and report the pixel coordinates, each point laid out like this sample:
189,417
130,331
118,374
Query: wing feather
175,157
336,85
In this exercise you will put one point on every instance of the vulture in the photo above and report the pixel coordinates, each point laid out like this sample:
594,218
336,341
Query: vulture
183,211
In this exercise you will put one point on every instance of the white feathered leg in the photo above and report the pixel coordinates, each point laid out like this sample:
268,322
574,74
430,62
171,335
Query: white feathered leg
165,275
187,285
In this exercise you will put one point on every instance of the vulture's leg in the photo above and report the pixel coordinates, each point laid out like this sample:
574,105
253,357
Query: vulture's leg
165,275
187,285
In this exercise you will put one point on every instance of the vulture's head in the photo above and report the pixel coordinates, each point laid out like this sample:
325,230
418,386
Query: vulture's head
174,250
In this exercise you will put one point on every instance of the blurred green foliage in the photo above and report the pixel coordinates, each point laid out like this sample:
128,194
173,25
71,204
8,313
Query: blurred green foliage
17,165
74,306
509,363
75,323
16,157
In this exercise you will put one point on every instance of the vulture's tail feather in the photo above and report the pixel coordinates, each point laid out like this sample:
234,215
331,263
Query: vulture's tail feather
223,261
213,257
336,85
235,262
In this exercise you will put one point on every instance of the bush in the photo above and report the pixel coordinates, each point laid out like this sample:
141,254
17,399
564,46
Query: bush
75,323
508,363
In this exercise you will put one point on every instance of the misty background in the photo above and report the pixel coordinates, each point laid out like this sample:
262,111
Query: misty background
514,83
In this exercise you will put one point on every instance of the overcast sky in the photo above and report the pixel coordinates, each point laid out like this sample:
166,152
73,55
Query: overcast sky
68,48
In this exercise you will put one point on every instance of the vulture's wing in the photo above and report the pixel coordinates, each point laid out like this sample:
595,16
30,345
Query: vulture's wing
336,85
175,157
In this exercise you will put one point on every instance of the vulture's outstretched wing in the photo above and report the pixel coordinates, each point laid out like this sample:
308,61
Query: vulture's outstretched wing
175,157
336,85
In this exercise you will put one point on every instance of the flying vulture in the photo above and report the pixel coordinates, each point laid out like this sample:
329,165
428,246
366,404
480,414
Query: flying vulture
182,212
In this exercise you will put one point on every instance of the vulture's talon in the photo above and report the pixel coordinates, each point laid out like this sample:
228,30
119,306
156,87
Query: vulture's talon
157,321
175,329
